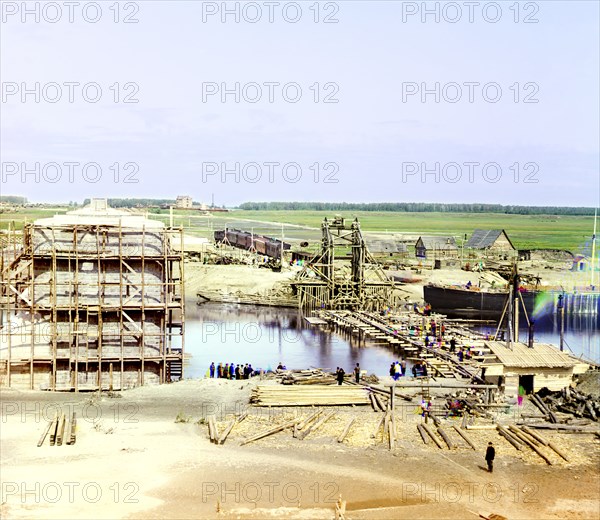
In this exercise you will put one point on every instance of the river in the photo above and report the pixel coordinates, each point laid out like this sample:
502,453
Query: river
265,336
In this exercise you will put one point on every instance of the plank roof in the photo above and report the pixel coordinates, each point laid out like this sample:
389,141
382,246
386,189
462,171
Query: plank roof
484,238
542,355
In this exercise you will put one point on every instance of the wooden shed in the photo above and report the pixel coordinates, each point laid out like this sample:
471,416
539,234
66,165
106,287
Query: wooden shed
436,247
495,240
532,368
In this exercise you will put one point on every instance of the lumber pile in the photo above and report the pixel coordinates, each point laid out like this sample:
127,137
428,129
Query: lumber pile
568,401
310,395
314,376
60,430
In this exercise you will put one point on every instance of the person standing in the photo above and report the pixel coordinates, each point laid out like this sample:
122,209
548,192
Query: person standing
231,371
357,373
340,375
212,369
452,345
226,371
490,455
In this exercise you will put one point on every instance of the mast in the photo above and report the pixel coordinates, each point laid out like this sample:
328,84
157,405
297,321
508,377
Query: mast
594,249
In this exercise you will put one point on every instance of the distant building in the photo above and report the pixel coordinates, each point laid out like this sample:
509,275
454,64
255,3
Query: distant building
436,247
184,202
492,240
386,246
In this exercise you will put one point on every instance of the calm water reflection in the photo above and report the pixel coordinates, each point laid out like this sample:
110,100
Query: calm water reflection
264,336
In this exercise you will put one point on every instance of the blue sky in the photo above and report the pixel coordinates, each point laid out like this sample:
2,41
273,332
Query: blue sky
376,144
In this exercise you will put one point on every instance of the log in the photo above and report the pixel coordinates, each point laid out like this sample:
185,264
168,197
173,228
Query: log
432,435
464,420
391,436
555,449
373,403
379,423
423,433
590,408
316,425
447,440
464,436
346,430
562,427
269,432
521,437
73,433
535,435
45,432
436,419
502,431
226,432
379,403
53,430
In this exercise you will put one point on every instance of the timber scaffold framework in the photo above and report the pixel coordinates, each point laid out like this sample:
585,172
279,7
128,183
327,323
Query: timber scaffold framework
91,306
343,274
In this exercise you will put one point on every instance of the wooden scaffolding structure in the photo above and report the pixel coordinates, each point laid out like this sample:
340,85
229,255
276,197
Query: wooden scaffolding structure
92,307
343,274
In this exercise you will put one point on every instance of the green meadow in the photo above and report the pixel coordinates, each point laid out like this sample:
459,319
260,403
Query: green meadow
525,231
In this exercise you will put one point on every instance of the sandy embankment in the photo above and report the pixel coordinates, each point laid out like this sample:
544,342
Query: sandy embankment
138,463
236,280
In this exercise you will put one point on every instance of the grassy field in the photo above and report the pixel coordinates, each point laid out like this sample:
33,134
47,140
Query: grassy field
535,231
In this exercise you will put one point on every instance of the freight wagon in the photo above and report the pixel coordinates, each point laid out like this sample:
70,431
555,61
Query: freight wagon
263,245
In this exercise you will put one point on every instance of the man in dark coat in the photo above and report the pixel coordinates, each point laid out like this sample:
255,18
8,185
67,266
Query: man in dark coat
340,376
490,454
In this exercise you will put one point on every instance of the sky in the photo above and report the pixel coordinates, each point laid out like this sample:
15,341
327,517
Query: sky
355,101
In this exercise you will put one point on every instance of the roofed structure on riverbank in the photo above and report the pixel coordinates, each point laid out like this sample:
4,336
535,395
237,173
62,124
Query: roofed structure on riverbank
534,368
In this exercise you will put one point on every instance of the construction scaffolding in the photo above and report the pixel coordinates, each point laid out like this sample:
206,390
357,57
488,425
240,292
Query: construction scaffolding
343,274
92,300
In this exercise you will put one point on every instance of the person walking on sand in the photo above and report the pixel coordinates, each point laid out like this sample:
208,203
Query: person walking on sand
357,373
490,454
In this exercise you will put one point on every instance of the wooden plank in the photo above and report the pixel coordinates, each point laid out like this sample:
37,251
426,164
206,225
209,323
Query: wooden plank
346,430
316,426
269,432
46,430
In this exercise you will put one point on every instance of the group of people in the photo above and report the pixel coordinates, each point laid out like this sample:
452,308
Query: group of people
340,373
231,371
397,369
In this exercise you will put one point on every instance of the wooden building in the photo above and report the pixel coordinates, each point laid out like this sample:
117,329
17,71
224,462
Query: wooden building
93,300
532,368
491,240
436,247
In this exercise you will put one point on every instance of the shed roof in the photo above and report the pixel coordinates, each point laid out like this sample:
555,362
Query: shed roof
483,238
438,242
542,355
385,245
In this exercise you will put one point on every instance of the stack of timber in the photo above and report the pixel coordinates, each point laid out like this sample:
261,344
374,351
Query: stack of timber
311,395
568,401
60,430
307,377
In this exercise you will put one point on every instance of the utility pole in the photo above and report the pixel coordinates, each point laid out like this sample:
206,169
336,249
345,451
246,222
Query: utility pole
561,310
594,250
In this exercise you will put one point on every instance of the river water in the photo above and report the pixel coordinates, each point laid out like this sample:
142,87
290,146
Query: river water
265,336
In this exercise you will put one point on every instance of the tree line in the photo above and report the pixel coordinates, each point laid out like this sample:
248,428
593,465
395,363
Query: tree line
416,207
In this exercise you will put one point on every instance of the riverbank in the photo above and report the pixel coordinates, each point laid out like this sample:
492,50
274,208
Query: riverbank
132,460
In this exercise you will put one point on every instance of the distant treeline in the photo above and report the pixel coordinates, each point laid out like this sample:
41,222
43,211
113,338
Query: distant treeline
135,203
13,199
415,207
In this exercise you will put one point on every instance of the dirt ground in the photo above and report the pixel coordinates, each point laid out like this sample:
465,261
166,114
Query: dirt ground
251,280
133,460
